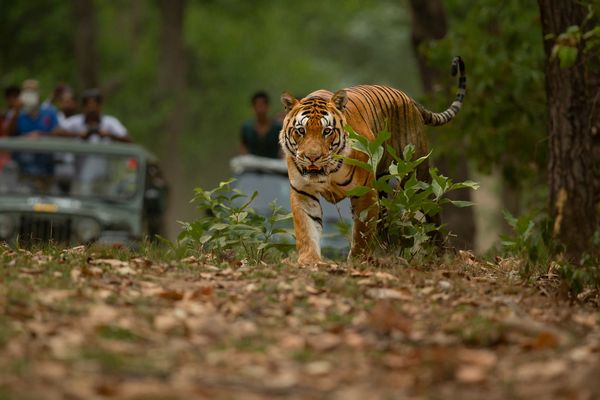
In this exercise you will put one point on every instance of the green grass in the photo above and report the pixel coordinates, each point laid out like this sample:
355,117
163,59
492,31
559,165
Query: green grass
114,332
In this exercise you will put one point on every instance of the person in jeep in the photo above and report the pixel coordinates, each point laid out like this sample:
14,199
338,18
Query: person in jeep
92,124
95,127
34,120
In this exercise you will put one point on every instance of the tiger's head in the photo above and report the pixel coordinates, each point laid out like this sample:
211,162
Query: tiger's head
313,132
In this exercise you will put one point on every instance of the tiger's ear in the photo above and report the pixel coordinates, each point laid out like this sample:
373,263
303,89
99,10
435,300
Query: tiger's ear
339,99
288,101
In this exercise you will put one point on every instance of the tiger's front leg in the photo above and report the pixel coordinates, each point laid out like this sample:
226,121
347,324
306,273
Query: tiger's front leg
363,230
308,225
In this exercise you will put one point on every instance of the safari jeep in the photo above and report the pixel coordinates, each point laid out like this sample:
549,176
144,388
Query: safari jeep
70,192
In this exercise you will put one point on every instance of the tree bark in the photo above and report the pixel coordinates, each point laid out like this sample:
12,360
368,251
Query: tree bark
171,87
429,23
573,129
86,52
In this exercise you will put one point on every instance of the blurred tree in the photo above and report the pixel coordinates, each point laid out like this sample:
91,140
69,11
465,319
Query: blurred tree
573,91
231,49
86,51
429,23
36,42
171,80
501,126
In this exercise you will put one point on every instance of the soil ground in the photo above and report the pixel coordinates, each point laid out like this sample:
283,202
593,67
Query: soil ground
89,324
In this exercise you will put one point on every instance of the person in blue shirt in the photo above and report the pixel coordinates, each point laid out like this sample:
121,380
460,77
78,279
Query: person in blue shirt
34,121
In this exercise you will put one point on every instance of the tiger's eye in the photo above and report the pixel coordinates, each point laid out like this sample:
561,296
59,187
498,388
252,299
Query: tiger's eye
327,131
300,130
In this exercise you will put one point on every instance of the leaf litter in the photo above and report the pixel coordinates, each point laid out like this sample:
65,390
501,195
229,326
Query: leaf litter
84,325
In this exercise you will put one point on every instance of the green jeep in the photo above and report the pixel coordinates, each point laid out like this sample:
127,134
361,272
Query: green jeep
70,192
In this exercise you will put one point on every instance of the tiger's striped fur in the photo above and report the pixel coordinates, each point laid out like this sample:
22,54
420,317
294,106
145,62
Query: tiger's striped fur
313,134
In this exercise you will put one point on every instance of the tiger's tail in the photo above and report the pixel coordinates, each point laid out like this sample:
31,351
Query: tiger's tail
436,119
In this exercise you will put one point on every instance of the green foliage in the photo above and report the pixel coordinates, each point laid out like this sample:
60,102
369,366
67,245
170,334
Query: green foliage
37,40
585,274
117,333
567,45
230,225
406,203
565,48
502,124
232,48
531,241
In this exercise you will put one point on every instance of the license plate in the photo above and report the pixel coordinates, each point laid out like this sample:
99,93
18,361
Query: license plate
45,207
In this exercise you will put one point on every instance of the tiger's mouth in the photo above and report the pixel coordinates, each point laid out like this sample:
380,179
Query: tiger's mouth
313,170
320,170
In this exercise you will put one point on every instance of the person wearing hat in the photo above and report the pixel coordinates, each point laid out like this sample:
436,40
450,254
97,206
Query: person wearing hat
92,125
33,121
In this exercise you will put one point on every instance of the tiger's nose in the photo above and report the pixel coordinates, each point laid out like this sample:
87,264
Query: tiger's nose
312,156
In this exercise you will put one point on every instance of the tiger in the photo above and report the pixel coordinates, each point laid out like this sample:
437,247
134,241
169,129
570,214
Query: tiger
315,142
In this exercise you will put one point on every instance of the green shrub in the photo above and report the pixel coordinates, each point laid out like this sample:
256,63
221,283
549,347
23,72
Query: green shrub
407,205
231,226
532,243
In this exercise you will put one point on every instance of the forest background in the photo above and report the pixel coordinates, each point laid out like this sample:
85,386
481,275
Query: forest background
180,74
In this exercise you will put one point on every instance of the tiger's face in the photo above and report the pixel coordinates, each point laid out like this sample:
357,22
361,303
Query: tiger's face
313,133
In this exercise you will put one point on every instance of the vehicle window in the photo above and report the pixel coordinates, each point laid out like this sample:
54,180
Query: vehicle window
100,176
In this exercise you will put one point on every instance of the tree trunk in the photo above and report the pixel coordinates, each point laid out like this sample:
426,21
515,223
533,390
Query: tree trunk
429,23
86,52
573,121
171,86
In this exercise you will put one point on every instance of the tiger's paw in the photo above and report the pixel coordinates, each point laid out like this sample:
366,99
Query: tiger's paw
309,260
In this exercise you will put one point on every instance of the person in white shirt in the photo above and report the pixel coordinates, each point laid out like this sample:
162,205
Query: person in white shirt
92,125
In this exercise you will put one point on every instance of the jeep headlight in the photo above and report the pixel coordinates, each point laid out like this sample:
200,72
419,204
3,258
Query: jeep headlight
87,229
7,226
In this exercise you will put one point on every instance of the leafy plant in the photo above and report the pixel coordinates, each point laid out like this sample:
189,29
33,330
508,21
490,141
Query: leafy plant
499,42
532,240
231,225
407,205
567,44
586,274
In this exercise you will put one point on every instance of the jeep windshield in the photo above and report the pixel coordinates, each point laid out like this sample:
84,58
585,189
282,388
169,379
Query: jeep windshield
99,176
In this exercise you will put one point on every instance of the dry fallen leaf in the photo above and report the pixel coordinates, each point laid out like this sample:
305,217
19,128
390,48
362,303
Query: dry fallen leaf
324,341
393,294
386,318
544,340
312,290
471,374
481,358
126,270
589,320
114,263
100,314
165,322
292,342
173,295
541,370
318,368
